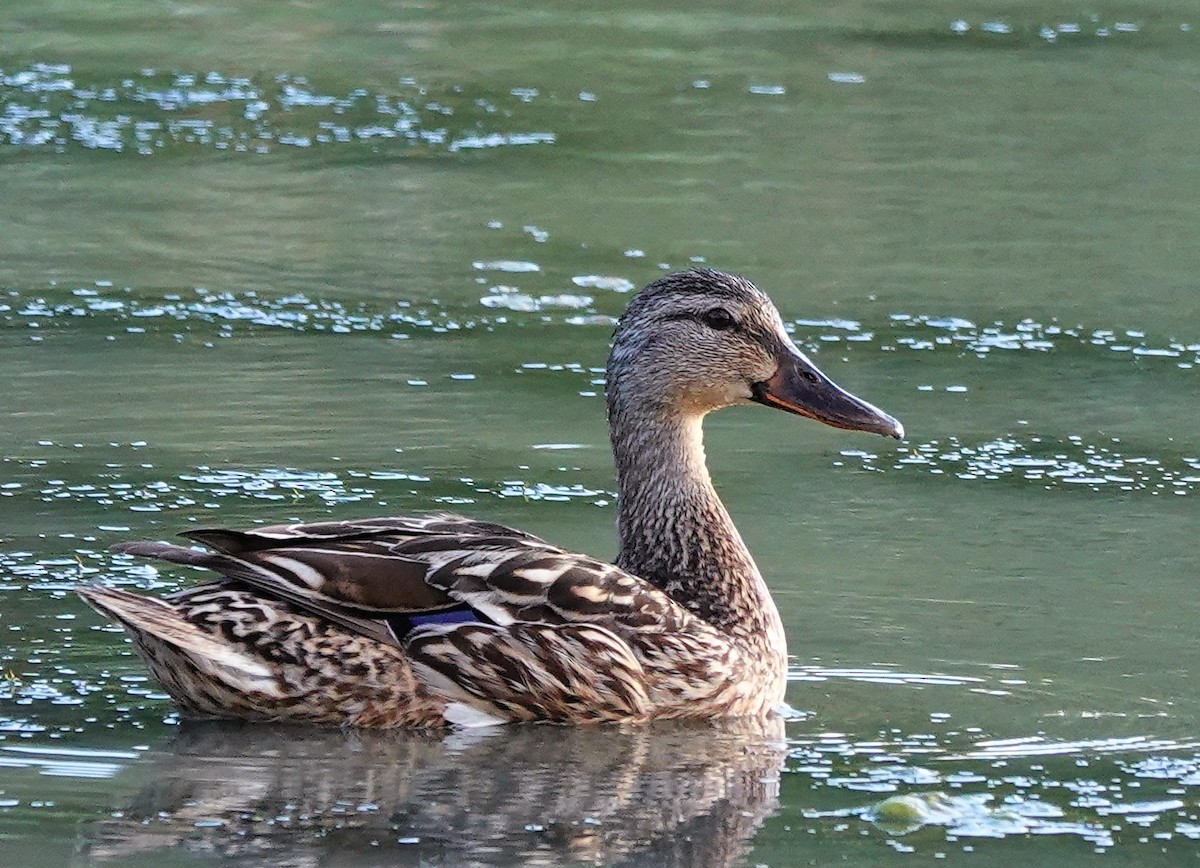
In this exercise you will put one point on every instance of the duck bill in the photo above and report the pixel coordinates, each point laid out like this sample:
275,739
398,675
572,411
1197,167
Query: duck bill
800,387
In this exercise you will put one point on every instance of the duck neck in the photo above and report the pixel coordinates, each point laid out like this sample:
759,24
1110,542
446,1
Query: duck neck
675,532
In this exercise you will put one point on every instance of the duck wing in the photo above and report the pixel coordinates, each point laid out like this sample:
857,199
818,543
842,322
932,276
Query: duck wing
371,575
350,572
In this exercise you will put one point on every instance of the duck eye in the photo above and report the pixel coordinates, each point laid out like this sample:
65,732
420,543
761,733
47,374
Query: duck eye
718,318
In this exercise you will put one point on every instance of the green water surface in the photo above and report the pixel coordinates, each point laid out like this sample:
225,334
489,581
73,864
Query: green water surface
266,262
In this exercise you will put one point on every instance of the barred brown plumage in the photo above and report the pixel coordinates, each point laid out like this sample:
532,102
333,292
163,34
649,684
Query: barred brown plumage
428,620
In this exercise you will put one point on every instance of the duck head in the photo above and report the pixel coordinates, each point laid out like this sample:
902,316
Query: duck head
699,340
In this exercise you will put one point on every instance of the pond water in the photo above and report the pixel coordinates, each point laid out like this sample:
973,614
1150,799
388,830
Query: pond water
303,261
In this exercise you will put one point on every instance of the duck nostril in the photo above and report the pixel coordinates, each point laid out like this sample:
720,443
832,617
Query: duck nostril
810,377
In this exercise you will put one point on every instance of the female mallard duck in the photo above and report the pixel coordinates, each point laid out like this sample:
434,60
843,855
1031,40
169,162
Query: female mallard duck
435,620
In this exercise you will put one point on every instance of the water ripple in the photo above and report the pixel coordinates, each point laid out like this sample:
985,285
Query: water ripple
298,312
153,111
292,312
1009,33
1033,785
209,488
1047,462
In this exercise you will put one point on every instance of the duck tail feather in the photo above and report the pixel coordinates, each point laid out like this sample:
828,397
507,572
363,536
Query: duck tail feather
149,619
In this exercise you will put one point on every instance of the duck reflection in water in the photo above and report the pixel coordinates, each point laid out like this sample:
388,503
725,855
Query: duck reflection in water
667,794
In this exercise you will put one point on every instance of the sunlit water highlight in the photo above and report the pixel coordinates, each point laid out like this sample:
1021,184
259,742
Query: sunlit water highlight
152,111
105,303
